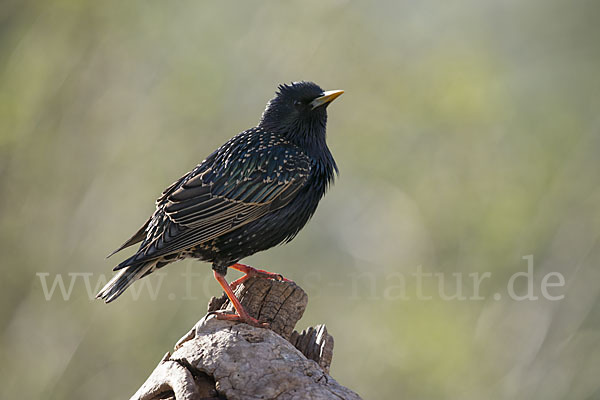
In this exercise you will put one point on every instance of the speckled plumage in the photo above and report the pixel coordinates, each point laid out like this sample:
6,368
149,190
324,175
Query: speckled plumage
254,192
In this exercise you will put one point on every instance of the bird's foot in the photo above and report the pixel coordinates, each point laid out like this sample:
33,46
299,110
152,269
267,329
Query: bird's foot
242,315
252,272
222,315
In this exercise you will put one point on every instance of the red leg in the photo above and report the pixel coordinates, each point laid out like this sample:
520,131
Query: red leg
242,315
250,272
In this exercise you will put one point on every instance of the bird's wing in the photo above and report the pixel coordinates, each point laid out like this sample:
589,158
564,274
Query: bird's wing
223,196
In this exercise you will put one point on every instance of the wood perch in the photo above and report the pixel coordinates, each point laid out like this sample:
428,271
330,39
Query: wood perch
227,360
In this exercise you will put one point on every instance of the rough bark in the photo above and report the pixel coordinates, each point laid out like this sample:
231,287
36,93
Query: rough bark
226,360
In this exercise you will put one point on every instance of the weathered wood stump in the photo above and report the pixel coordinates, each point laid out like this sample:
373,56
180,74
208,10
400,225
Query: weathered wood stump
228,360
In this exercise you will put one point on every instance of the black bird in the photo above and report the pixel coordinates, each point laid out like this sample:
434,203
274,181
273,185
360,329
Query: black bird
254,192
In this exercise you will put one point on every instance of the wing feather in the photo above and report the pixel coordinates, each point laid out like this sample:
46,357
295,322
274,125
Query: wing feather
221,195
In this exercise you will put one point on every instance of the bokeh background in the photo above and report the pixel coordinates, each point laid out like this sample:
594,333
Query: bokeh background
468,138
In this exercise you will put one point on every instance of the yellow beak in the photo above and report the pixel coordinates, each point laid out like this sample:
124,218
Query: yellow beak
327,97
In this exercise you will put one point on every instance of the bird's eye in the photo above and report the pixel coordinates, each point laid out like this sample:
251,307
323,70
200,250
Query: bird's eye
297,103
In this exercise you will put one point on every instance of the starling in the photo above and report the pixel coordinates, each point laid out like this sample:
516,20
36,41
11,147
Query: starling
254,192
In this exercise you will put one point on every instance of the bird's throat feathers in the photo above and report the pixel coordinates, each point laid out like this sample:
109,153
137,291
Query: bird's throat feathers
310,136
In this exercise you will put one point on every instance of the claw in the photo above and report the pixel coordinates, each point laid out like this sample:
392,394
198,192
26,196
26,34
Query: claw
251,272
237,318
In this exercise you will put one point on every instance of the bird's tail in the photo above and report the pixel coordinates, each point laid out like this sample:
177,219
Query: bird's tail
123,279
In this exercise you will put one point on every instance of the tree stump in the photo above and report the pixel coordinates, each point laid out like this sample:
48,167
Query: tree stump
228,360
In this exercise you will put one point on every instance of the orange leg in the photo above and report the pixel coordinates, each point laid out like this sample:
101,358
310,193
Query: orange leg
242,315
250,272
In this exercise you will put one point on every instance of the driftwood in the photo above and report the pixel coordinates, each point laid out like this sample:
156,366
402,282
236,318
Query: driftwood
227,360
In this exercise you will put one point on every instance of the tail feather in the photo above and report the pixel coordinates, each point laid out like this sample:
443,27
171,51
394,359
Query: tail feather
123,279
128,262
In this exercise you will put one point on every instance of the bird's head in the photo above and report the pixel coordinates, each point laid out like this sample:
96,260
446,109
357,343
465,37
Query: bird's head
299,111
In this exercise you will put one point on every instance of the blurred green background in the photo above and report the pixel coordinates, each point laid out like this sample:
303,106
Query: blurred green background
467,139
